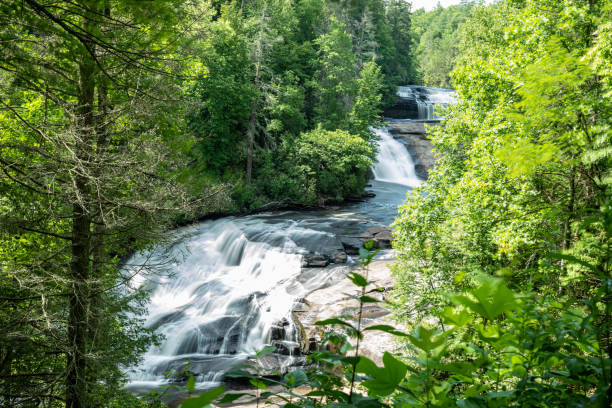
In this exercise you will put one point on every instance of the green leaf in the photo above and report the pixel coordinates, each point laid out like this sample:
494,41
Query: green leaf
258,384
239,374
358,279
366,402
394,367
384,380
295,378
363,253
231,398
334,321
492,299
203,399
368,299
426,339
190,384
369,245
458,319
387,329
346,347
366,366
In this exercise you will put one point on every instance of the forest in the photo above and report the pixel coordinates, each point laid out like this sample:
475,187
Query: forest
124,120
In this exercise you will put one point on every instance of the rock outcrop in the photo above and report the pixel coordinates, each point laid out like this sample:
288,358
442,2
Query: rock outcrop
414,137
333,301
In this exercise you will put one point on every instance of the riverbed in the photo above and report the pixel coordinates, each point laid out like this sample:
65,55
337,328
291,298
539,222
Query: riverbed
228,287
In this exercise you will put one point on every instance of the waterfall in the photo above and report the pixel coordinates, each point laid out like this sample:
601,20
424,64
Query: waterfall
228,291
226,288
394,164
426,99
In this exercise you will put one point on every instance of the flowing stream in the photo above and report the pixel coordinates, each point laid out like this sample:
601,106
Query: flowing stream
427,100
227,287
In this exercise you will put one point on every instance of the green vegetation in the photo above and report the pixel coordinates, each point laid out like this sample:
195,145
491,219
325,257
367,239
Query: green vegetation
276,70
119,118
435,35
521,191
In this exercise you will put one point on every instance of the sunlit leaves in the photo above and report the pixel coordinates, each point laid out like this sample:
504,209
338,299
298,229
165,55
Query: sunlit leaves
489,300
383,381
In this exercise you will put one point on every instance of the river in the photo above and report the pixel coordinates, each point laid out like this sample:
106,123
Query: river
227,287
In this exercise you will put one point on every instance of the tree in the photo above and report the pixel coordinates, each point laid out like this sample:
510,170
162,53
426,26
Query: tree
435,33
226,95
399,20
336,163
336,86
366,109
86,171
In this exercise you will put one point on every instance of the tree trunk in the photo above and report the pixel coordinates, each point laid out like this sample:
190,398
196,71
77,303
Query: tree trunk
76,383
98,253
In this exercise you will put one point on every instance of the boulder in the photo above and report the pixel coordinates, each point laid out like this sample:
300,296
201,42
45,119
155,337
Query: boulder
315,261
377,229
383,239
366,236
334,300
340,257
277,333
351,245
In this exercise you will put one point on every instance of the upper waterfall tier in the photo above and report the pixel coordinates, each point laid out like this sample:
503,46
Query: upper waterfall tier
420,102
394,163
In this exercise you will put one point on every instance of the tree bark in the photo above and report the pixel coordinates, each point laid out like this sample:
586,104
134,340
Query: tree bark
98,253
76,383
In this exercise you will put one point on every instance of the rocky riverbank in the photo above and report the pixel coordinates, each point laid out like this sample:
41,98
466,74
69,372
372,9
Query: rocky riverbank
335,301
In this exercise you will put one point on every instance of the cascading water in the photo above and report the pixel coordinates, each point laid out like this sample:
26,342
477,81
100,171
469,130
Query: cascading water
231,284
427,99
394,164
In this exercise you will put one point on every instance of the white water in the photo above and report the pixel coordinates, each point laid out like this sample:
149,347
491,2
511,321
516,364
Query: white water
232,283
427,99
394,163
217,303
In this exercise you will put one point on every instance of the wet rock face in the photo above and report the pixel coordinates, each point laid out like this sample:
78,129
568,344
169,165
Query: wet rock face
351,245
315,261
414,137
419,102
340,257
382,237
